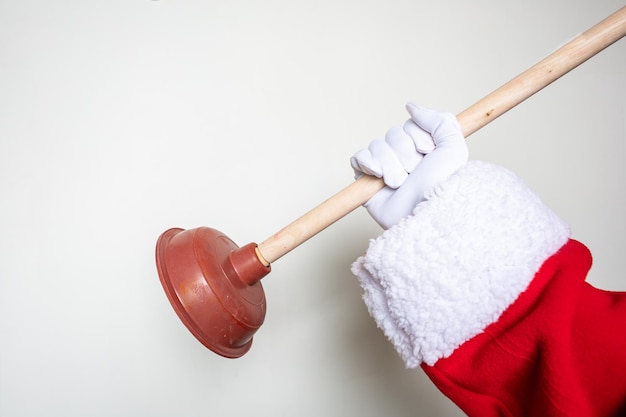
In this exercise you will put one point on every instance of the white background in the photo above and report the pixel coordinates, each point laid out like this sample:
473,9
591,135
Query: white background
122,118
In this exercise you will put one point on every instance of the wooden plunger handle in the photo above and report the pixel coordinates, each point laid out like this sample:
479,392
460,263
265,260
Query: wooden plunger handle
498,102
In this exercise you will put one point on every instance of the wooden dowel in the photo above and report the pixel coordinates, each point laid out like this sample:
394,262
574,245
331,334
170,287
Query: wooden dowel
498,102
543,73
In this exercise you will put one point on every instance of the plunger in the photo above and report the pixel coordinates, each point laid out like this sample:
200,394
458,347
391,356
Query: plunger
214,285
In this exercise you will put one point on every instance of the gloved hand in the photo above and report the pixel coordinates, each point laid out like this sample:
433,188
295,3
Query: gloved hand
411,160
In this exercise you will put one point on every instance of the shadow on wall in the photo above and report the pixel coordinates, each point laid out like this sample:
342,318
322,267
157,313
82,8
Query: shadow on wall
369,364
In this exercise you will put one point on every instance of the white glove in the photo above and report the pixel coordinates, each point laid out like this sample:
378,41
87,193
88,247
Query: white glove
411,160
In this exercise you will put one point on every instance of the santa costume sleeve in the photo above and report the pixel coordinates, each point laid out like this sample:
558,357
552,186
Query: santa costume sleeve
483,288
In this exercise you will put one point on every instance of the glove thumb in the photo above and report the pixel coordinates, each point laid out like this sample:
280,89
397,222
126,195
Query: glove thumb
440,125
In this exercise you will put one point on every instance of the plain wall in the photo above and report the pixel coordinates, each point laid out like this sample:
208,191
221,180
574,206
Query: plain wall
122,118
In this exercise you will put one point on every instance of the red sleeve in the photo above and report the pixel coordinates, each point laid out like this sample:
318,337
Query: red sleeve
558,350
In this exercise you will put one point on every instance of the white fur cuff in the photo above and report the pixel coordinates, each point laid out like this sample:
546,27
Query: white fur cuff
443,274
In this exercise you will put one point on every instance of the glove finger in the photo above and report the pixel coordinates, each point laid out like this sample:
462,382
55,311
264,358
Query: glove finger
423,141
363,162
394,173
403,147
440,125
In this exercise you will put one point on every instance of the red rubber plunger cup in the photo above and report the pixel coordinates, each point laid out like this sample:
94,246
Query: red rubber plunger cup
213,285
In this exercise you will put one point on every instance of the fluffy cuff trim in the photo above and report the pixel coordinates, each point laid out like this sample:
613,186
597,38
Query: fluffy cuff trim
443,274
